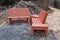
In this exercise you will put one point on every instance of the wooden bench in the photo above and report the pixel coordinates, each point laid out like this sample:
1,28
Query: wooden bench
18,14
38,22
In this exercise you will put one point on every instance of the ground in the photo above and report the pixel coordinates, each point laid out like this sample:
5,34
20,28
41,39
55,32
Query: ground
1,21
3,16
53,21
22,31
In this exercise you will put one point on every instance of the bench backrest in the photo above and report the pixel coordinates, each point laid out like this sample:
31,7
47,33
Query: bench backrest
42,16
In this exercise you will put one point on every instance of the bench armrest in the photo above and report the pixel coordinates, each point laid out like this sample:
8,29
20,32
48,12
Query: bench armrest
34,16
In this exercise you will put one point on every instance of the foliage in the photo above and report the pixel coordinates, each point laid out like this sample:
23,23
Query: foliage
7,2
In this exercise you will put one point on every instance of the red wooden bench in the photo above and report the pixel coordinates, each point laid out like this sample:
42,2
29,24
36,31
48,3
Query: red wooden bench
18,14
38,22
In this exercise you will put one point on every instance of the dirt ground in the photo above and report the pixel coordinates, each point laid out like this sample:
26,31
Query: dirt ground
1,21
3,16
53,21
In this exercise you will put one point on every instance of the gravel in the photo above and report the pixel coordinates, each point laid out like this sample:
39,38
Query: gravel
20,31
16,32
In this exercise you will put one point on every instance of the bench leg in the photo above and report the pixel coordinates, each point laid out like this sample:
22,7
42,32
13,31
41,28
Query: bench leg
9,20
46,32
32,32
29,20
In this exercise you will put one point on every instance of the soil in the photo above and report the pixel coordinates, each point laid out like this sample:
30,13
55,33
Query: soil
1,21
53,21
